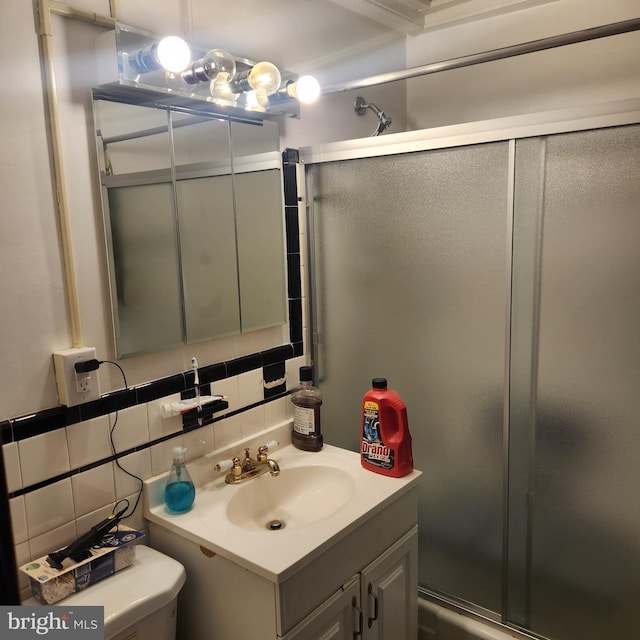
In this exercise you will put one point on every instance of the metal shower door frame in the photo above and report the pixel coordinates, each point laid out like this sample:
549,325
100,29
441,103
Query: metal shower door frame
627,112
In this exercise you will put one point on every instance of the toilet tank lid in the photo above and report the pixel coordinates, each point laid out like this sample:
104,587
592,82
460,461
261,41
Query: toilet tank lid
128,596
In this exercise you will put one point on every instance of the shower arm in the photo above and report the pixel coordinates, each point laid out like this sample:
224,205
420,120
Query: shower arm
361,105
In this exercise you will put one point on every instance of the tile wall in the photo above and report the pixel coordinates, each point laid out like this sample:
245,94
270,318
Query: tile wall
62,474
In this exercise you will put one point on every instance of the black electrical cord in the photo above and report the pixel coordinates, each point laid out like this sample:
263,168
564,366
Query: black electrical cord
132,475
115,364
115,455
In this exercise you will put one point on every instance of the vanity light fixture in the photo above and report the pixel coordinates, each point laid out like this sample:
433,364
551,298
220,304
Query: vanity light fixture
214,80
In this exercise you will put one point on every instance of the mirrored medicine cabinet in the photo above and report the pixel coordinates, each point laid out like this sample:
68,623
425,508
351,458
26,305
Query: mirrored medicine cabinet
193,210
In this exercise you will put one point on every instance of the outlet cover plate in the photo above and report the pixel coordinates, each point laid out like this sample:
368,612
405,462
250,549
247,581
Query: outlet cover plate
74,389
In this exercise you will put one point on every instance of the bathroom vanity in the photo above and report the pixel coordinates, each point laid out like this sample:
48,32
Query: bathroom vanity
343,562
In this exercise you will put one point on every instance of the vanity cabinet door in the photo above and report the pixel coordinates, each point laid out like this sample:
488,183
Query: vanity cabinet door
337,618
389,592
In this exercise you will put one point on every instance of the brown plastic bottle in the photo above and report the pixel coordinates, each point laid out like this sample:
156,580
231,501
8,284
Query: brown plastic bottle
306,399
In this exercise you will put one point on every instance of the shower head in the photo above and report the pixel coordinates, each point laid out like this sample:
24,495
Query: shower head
361,105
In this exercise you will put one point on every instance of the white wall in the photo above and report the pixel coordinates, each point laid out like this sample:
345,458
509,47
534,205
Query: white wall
594,72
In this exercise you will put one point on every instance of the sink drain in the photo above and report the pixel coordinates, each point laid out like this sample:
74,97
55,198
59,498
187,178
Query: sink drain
275,525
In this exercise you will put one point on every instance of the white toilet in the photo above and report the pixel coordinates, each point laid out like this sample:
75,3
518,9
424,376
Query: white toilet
139,601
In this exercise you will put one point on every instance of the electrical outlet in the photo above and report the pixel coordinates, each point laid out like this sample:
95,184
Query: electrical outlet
83,382
75,387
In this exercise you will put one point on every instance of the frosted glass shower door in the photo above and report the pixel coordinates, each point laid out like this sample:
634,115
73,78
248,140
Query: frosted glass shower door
582,424
411,263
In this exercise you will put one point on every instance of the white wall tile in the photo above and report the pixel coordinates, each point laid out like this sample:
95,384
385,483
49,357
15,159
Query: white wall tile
139,464
88,441
277,411
229,388
198,442
136,519
250,387
84,523
92,489
49,508
132,428
162,454
12,466
52,540
252,422
43,457
18,520
226,432
292,368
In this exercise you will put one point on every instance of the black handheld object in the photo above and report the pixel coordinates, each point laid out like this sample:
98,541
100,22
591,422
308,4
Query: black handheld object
79,550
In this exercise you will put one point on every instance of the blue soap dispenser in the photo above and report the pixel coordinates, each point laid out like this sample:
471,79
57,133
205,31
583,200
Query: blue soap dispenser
179,492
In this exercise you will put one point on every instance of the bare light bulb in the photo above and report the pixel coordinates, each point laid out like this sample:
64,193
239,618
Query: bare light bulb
173,54
213,63
263,77
220,88
253,100
174,81
305,89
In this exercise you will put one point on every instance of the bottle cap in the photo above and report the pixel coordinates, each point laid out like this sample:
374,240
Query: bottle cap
178,454
306,374
379,383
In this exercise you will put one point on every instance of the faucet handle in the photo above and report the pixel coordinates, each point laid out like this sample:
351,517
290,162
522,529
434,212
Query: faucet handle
236,469
269,446
265,449
223,465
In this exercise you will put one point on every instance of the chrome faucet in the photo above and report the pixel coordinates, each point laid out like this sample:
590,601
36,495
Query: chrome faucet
247,468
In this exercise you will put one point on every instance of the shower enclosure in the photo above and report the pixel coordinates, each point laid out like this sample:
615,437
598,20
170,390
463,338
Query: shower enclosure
492,274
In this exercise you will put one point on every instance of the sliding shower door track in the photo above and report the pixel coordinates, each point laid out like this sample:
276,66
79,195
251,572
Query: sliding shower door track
479,614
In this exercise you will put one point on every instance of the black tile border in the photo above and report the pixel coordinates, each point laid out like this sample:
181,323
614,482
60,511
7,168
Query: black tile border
5,432
295,317
294,275
244,364
292,229
37,423
150,391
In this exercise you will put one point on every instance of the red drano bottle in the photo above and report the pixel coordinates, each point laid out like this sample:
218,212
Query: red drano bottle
386,442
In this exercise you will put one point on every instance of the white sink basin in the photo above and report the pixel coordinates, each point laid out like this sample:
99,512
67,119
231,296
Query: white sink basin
318,498
298,496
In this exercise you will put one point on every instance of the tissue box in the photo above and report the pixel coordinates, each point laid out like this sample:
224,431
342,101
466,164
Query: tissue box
115,551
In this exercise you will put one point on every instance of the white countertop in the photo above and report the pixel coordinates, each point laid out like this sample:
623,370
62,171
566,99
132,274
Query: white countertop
274,554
